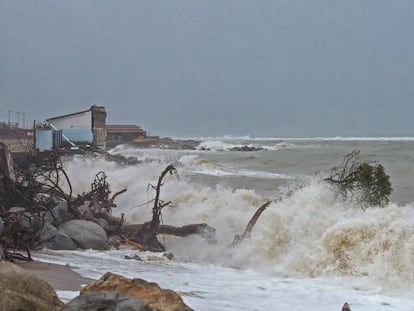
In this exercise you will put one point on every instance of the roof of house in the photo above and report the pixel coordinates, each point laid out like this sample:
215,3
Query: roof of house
79,112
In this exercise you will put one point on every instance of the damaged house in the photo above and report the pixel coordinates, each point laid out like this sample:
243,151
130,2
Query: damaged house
79,129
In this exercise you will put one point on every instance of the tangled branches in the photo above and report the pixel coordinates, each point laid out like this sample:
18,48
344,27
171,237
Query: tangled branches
367,179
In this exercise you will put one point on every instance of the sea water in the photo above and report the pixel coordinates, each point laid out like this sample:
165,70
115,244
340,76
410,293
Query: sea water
310,249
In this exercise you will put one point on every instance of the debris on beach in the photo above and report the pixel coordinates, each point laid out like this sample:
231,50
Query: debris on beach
37,212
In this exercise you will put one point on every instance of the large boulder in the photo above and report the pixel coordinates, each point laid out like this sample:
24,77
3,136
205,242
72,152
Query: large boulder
22,291
108,301
55,239
85,234
61,241
157,298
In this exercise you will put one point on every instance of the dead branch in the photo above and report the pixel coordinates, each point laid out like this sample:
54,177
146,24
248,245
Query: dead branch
116,194
239,238
156,210
346,173
207,232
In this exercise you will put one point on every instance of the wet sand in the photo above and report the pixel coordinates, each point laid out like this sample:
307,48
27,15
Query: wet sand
61,277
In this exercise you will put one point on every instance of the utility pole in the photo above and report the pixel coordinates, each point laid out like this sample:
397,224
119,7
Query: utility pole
8,121
18,118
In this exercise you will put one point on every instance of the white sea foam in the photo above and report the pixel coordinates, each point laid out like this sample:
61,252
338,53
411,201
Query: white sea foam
308,238
241,173
212,287
309,233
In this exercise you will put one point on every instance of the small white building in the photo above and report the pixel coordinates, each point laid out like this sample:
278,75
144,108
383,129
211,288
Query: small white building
80,128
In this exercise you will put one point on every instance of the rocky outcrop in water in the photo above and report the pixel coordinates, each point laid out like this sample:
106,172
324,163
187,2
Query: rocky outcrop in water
246,148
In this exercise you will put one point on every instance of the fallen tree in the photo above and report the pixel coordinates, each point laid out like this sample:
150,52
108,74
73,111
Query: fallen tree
146,234
35,206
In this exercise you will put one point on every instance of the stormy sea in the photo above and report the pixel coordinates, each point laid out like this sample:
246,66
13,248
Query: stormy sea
311,249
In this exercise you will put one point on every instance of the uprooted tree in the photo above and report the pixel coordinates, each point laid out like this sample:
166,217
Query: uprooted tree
30,192
367,180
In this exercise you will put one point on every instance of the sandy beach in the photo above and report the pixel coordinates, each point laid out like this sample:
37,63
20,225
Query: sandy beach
61,277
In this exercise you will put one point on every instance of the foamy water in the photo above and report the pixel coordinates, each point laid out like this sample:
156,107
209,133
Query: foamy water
309,249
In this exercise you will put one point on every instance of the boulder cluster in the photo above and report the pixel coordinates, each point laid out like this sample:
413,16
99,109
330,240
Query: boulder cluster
23,291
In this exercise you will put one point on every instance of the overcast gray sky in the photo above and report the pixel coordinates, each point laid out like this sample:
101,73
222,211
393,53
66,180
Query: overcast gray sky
214,67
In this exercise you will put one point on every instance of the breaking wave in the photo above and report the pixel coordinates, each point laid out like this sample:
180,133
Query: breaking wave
221,145
307,231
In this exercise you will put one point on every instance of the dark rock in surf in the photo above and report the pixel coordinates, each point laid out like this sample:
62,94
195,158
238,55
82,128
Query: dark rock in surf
61,241
109,301
246,148
52,238
86,234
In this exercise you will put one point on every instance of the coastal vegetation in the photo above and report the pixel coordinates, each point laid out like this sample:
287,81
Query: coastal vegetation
363,180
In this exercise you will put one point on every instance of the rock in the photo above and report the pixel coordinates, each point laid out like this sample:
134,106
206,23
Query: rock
108,301
114,239
346,307
85,234
134,257
22,291
157,298
246,148
60,214
168,255
85,211
1,226
47,233
100,221
54,239
30,221
61,241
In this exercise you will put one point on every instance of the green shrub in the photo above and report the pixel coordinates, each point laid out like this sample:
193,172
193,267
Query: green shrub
367,180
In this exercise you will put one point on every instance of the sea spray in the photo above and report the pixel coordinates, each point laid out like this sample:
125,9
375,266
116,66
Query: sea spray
308,231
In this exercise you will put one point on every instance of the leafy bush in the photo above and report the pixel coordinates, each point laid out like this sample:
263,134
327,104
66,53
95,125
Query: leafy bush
367,179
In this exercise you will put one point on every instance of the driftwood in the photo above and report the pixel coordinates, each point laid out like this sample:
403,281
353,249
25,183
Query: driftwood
146,234
159,204
239,238
206,231
141,233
